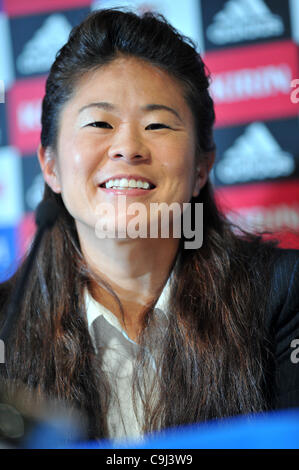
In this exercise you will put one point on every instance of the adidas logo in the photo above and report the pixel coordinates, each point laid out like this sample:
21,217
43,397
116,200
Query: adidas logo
39,52
242,20
255,155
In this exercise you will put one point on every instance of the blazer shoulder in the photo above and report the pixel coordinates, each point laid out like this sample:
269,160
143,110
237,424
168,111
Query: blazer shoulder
284,289
284,312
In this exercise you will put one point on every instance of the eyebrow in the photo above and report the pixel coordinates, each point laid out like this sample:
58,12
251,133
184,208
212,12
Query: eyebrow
149,107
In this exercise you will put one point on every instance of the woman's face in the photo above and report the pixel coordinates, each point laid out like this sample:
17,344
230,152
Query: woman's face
127,118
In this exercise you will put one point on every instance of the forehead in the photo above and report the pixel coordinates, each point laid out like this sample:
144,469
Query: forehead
127,80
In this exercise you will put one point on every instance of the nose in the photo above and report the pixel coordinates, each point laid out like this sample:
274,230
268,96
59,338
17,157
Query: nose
129,146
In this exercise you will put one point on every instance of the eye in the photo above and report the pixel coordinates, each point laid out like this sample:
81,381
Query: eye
101,124
157,125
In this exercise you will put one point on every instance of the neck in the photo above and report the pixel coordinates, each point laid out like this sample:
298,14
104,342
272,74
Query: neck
136,269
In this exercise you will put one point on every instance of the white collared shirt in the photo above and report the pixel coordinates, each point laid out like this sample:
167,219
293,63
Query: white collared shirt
118,355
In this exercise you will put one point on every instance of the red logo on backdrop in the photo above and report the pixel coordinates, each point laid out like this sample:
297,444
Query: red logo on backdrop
251,83
272,207
24,100
17,7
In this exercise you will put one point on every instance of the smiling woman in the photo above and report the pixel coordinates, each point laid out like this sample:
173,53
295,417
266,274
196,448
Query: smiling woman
140,333
127,122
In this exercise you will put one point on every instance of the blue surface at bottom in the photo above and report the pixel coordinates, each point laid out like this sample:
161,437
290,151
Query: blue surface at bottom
273,430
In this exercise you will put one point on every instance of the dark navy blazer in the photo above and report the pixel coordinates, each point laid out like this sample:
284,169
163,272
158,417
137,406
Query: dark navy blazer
283,323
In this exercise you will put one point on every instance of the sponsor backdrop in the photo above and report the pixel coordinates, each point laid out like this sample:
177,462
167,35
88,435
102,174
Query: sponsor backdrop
251,50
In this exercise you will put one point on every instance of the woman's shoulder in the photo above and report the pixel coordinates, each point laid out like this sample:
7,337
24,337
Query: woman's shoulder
284,293
283,303
277,268
283,299
284,317
285,258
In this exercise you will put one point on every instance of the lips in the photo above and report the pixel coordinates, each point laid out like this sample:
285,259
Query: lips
128,177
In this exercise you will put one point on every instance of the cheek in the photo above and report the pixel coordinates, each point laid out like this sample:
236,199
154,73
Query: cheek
78,159
177,159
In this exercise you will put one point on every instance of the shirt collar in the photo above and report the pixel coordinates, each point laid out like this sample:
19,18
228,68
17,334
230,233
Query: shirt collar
94,309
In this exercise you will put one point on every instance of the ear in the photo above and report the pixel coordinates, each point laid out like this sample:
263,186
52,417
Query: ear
203,168
48,164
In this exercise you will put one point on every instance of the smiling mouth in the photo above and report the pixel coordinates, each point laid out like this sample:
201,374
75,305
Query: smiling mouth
127,188
124,184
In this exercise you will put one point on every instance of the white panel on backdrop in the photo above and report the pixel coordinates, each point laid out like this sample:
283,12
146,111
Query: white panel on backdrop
185,15
6,63
2,91
34,193
5,259
11,187
294,14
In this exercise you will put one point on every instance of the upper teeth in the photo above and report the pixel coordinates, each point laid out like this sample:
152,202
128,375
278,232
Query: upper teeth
125,183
